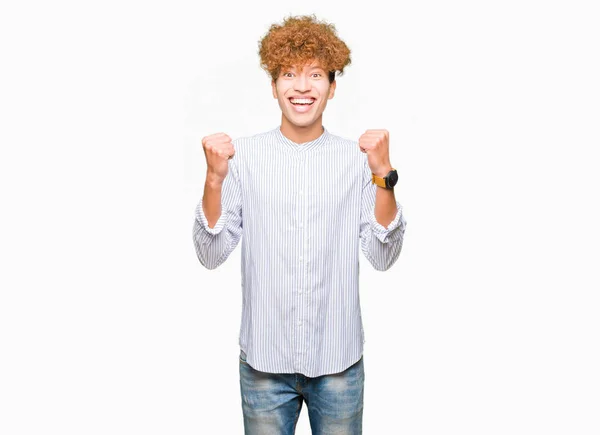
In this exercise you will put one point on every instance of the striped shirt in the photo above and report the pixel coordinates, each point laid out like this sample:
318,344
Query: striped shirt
304,211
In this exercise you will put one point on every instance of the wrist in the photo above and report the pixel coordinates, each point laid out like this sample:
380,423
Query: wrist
213,180
386,179
383,171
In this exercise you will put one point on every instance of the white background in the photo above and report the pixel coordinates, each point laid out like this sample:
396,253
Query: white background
487,324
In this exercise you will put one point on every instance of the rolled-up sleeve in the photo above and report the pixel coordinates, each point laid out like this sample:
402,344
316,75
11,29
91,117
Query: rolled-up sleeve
379,244
213,245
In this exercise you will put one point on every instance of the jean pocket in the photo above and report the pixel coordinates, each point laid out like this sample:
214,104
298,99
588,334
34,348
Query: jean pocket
243,356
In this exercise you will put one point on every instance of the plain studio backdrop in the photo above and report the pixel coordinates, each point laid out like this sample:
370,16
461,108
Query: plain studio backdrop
487,324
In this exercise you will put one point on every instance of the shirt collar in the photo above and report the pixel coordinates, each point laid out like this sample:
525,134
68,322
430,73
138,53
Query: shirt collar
305,146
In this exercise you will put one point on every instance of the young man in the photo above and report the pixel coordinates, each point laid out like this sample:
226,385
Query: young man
305,201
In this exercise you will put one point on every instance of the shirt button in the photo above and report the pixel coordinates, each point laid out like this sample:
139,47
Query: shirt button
300,291
299,322
301,258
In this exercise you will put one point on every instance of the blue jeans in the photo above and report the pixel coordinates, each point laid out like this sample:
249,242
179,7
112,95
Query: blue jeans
271,402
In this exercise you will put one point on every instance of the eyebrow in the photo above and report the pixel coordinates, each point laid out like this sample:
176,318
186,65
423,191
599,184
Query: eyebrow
309,69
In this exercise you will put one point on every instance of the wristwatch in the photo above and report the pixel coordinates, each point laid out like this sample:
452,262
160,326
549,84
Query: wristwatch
387,182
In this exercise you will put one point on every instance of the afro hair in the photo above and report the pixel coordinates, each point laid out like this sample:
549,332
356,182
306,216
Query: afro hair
299,40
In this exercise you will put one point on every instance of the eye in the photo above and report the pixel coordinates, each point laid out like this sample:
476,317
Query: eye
286,74
317,74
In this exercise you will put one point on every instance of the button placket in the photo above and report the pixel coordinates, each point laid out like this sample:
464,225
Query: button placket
301,255
302,206
301,198
302,293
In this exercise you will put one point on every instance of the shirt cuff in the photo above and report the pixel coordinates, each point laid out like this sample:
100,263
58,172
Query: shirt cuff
393,230
202,218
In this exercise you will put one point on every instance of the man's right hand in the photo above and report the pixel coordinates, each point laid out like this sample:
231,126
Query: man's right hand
218,149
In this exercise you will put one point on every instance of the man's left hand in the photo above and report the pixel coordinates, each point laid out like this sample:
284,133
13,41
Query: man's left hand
376,144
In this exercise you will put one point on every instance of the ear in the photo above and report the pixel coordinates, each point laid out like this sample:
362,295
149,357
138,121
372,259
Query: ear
274,88
332,89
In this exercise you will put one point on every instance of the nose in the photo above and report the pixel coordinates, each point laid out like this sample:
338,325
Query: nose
302,84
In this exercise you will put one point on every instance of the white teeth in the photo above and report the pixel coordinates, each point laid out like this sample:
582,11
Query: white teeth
302,101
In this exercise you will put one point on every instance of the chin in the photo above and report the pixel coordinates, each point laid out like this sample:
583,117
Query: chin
304,124
300,119
300,122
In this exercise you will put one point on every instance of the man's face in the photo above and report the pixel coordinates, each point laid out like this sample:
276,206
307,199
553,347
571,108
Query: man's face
297,86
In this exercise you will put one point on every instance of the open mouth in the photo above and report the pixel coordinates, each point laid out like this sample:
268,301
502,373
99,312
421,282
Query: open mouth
302,101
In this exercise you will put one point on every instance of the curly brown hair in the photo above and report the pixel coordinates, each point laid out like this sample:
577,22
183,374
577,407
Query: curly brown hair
299,40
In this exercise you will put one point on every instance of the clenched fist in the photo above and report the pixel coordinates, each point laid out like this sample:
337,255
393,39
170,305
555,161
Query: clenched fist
218,149
376,144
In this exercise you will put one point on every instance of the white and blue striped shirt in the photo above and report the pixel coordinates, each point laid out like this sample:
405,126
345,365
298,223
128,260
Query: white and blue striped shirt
302,210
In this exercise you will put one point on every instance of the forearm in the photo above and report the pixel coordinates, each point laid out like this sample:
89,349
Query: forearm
218,223
383,231
385,200
211,201
385,206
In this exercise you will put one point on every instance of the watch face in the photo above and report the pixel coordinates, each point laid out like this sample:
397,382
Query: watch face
392,178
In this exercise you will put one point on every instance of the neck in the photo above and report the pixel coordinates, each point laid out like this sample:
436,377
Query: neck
301,134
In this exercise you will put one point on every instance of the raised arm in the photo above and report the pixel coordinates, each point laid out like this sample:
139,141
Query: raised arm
382,223
218,218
